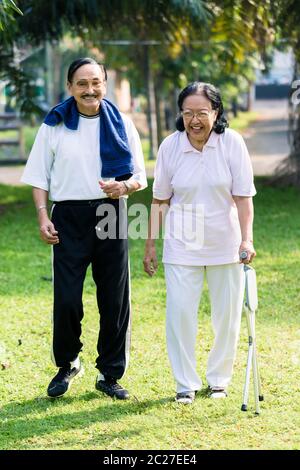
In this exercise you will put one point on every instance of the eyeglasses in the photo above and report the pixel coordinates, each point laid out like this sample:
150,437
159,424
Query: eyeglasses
202,115
83,84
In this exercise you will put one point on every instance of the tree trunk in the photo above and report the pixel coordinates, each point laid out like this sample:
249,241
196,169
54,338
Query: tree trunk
173,96
159,112
288,173
250,95
57,68
49,74
151,108
294,157
295,130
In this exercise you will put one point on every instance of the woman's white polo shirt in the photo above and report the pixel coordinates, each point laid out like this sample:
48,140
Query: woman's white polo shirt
202,184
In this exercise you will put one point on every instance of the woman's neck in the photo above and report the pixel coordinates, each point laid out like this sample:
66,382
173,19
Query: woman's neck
198,145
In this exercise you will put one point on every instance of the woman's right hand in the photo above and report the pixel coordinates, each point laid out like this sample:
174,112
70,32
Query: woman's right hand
150,259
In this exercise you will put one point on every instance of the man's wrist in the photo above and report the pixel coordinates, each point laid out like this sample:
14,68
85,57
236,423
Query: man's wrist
41,207
129,187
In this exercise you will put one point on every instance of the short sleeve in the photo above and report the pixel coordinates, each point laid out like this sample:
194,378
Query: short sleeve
162,188
139,172
40,160
241,167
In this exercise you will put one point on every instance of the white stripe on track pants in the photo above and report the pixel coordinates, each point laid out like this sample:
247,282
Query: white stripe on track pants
226,285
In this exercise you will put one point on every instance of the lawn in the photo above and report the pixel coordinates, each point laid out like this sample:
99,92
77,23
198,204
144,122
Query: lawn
85,419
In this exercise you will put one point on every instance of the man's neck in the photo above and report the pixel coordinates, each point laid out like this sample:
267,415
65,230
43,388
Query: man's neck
86,111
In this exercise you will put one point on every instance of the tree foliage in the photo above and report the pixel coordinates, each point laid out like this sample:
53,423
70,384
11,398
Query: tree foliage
49,21
8,8
228,33
221,41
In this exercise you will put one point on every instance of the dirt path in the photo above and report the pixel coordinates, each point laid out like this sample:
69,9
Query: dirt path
267,138
11,174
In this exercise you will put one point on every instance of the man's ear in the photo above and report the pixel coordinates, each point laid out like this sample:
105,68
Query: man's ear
69,87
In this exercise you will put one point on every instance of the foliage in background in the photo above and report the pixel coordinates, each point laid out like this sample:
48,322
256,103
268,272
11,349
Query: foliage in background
194,39
224,49
221,42
8,8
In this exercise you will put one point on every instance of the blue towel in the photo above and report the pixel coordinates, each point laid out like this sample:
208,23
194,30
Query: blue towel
115,154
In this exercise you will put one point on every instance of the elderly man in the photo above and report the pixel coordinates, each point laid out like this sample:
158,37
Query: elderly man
86,154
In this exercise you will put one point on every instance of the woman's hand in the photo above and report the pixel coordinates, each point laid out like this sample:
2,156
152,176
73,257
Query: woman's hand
247,247
150,259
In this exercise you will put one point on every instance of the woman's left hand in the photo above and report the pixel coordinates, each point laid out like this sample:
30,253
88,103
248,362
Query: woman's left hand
247,246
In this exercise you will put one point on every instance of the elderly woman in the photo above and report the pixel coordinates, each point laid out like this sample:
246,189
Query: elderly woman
204,177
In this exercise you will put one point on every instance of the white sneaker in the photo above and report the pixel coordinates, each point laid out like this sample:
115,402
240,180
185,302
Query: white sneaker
216,392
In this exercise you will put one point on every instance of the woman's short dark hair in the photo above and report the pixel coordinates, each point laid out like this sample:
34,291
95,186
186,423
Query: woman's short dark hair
83,61
212,94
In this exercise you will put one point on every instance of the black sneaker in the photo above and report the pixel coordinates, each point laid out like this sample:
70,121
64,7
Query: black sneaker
60,384
110,387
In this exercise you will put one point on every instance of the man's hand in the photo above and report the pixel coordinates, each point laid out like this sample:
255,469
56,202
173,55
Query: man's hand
47,231
113,189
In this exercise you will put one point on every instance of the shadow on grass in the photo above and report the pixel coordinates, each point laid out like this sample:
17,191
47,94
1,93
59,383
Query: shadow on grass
14,205
17,425
203,393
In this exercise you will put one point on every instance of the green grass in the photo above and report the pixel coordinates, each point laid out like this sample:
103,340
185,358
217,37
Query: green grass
243,120
84,419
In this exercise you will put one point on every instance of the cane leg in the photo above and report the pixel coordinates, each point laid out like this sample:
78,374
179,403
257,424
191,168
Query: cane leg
251,303
249,363
254,362
255,383
260,395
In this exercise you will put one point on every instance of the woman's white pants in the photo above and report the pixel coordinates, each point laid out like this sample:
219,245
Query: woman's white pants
226,284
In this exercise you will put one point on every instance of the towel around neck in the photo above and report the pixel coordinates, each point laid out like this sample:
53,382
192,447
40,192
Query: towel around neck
115,153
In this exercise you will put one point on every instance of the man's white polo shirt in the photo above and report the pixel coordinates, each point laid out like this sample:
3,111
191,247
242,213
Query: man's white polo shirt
67,163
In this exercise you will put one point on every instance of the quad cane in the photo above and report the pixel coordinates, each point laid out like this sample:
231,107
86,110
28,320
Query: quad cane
250,306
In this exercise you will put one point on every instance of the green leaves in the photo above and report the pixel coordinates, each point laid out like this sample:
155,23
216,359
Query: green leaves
7,10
